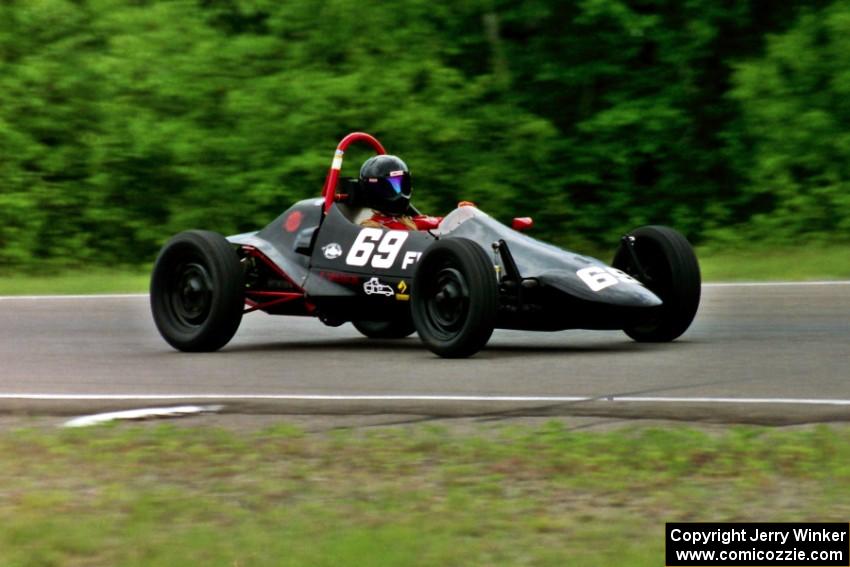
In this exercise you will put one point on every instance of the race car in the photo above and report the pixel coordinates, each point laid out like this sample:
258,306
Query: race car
452,284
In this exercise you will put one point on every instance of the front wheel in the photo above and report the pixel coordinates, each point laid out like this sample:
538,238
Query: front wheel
197,291
665,263
454,298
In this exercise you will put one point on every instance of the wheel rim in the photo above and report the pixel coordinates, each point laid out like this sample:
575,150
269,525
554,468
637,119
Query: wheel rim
190,294
447,301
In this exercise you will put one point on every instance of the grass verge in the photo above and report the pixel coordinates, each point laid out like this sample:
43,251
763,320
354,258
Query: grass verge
76,282
815,262
802,263
423,495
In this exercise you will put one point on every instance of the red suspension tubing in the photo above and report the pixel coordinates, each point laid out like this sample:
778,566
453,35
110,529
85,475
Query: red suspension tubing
332,180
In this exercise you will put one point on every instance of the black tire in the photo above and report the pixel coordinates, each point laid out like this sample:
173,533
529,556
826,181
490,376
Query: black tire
668,260
454,298
397,328
197,291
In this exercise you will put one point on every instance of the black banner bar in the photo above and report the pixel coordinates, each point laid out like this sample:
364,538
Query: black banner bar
760,544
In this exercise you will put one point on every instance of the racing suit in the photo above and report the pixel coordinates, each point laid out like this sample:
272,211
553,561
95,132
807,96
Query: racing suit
402,222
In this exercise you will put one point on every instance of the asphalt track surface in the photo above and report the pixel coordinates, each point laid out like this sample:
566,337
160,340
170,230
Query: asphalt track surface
773,354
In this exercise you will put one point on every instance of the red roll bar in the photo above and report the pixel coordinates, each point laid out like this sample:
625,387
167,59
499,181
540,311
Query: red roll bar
332,180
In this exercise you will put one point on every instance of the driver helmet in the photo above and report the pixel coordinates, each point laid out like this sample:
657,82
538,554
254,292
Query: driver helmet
385,183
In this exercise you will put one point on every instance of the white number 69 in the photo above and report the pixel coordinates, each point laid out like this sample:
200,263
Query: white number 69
598,278
389,245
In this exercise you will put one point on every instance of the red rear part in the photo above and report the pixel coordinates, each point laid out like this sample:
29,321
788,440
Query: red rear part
271,300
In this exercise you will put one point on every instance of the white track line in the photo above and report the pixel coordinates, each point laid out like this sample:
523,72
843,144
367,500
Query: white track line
145,413
427,398
141,295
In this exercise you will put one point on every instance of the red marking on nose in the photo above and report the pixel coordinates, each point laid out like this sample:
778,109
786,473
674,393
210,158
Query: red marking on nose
293,221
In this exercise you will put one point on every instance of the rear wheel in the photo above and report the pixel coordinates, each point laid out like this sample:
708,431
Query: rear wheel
669,268
396,328
454,298
197,291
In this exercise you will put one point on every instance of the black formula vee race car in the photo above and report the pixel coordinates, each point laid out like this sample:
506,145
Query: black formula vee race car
453,284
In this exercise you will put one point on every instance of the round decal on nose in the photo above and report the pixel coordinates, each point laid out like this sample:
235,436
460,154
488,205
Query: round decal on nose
293,221
332,251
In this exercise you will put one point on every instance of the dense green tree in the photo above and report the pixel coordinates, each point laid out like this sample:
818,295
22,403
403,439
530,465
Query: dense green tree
795,105
637,91
123,121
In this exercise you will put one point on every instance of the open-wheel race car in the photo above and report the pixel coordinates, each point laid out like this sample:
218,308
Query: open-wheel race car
452,283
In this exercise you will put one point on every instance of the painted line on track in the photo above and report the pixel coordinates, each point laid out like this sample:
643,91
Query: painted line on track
426,398
141,295
139,414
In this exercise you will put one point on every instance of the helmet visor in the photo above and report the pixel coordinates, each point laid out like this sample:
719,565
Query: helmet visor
398,184
389,188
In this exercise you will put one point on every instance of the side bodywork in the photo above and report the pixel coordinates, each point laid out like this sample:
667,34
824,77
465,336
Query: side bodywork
345,271
544,287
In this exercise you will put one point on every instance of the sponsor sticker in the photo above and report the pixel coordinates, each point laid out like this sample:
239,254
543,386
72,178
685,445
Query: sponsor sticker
402,294
373,286
332,251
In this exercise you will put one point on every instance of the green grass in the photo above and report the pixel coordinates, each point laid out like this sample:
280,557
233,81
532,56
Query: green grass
96,280
814,262
423,495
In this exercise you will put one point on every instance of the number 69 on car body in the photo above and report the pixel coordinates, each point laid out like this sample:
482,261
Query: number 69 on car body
379,249
598,278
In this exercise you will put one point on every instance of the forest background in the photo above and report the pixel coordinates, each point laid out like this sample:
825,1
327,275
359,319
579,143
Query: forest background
125,121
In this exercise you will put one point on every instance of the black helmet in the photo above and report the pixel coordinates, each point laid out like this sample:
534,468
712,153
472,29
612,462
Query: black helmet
385,184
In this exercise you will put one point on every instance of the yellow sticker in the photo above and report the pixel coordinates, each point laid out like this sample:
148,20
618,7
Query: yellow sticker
402,287
402,297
